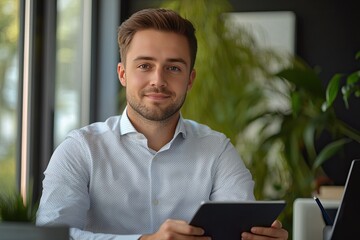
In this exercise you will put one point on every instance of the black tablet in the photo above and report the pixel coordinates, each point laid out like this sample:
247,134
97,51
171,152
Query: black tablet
227,220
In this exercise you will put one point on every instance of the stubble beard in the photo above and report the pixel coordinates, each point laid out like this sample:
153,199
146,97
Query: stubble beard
156,112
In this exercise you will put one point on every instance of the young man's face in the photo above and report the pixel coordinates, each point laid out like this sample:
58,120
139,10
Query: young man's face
157,74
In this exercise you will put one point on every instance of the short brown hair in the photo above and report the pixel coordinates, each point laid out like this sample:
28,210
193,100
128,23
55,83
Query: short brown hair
158,19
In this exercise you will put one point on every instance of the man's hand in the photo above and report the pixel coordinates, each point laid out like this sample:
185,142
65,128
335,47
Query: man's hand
263,233
176,230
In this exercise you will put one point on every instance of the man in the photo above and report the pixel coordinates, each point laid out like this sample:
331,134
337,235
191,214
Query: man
143,174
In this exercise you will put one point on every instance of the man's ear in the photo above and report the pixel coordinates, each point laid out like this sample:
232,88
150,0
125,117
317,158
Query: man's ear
191,79
121,74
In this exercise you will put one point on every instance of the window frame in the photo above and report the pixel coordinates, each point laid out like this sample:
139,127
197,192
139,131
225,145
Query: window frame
37,68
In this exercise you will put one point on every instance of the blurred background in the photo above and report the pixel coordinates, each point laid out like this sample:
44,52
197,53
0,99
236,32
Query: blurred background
263,68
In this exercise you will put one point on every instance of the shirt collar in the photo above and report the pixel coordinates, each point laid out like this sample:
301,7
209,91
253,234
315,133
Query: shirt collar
127,127
125,124
180,128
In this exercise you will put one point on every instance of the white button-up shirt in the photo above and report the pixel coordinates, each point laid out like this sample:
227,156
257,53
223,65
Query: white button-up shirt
106,183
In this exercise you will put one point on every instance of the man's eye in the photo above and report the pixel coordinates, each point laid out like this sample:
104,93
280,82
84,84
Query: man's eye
144,66
174,68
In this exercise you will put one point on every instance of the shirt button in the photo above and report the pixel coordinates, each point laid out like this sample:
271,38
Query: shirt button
155,202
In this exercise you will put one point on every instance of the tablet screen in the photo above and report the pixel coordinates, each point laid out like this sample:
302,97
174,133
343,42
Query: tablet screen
227,220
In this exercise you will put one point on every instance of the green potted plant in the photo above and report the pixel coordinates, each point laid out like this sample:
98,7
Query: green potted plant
17,220
309,114
14,209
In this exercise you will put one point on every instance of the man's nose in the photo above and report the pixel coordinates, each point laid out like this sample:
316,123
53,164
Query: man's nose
158,78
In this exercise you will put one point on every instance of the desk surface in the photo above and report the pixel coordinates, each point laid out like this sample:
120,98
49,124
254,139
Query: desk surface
28,231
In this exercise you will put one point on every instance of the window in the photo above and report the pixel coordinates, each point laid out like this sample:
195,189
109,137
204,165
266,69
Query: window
53,54
72,67
9,81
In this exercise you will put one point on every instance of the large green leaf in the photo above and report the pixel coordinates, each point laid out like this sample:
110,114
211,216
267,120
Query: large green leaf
296,103
332,91
353,78
330,150
309,134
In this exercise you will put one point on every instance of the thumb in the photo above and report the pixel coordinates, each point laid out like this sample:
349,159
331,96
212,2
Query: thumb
276,224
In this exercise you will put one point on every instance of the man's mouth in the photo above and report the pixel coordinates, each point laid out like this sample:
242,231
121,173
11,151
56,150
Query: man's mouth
157,96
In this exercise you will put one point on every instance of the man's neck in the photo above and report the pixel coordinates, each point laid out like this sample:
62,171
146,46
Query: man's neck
158,133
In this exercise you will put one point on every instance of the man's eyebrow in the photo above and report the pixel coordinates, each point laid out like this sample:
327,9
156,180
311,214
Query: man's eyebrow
179,60
173,60
143,58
